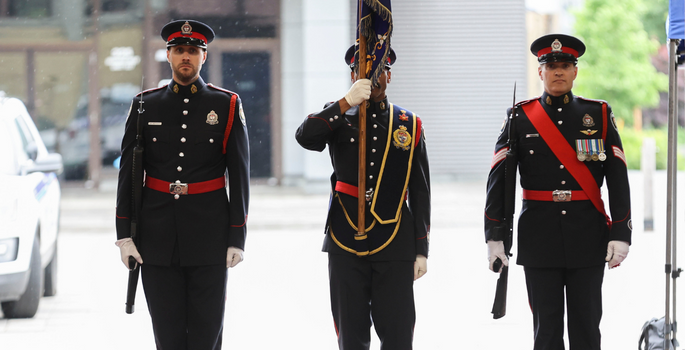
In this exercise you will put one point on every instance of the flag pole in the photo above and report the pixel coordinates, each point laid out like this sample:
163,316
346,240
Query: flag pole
361,180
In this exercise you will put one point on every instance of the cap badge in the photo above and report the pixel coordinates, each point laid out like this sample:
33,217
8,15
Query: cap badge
401,138
193,88
566,99
588,121
556,45
212,118
382,105
548,101
176,88
186,29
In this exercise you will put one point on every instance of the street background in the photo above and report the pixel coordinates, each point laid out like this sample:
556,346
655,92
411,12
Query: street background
278,297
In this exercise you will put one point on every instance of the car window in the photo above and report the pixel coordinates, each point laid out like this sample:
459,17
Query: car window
9,162
26,137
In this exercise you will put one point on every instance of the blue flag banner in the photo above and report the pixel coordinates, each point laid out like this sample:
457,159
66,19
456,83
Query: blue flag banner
375,23
675,25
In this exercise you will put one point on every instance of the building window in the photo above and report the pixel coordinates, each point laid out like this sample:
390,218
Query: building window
26,8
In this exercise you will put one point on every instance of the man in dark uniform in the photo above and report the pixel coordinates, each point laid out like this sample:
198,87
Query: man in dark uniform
371,276
566,146
195,140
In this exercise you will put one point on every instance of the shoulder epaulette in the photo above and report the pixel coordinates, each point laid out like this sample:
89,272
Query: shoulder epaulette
591,100
151,90
521,103
221,89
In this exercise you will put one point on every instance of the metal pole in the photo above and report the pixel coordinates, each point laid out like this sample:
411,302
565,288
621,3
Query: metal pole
671,183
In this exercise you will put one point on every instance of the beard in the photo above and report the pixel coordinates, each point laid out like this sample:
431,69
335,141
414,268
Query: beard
186,73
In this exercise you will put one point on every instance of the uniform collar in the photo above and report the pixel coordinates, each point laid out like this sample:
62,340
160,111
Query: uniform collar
190,89
556,100
380,106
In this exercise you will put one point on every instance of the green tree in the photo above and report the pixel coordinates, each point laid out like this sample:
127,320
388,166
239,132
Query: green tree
617,65
654,16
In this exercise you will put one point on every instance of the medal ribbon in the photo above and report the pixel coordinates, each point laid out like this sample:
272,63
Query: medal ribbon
563,151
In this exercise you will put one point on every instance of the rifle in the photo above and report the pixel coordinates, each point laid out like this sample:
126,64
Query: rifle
499,307
137,182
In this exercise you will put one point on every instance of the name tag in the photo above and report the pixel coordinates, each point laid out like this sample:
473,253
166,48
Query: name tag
154,123
532,135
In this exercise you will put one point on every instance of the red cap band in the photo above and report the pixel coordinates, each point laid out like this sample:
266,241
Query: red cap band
563,50
194,35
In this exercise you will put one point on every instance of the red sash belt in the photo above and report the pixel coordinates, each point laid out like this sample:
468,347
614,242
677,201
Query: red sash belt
185,188
555,196
352,190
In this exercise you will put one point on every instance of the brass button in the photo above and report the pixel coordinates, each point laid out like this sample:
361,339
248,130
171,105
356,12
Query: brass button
179,168
183,139
184,126
531,151
185,100
181,155
560,122
563,212
352,139
185,112
176,196
211,140
154,139
561,166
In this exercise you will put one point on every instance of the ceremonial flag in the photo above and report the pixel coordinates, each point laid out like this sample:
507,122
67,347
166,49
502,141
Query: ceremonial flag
375,23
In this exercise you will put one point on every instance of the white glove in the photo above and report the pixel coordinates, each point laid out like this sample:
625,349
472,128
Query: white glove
233,256
496,250
359,92
617,251
420,266
128,248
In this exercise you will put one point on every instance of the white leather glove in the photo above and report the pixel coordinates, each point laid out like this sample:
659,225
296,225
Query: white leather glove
233,256
359,92
496,250
617,251
420,266
128,248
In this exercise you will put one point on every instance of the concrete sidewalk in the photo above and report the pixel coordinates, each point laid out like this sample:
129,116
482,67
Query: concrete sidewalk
278,297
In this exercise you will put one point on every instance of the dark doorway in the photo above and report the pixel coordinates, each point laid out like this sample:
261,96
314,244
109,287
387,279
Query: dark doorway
249,74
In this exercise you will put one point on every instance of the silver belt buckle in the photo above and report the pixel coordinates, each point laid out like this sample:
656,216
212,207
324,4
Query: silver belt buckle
178,188
561,196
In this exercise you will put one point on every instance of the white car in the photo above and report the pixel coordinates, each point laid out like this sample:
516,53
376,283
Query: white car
29,212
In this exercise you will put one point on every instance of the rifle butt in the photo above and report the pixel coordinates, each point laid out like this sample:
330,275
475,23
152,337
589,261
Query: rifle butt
499,307
132,285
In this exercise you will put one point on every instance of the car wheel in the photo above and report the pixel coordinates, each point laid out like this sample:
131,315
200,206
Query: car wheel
27,305
51,276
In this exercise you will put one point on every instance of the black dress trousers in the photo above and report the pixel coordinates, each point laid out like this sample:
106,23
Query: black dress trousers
202,289
389,287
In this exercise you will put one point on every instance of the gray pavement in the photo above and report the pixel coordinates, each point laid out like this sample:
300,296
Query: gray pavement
278,297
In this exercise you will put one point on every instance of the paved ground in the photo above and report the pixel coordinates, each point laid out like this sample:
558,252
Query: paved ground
278,297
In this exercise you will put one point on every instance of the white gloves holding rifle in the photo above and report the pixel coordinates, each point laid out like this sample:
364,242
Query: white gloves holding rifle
496,250
128,248
359,92
617,251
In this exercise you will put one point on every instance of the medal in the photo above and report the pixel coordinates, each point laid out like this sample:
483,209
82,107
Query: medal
595,157
602,157
581,156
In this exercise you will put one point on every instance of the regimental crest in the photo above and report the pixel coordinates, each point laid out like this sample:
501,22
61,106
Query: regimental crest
401,138
556,45
193,89
403,115
588,121
186,29
613,121
176,88
242,115
589,132
212,118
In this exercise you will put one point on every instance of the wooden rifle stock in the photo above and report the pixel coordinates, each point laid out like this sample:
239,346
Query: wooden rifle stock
499,306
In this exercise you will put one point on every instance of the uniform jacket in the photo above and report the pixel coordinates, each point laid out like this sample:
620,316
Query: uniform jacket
183,129
561,234
400,240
